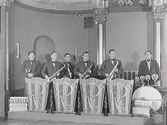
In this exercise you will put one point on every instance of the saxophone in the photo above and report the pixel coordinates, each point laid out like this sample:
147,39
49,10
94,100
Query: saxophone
111,75
52,76
85,75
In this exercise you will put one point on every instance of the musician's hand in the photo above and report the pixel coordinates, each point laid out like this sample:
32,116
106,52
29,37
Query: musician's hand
30,75
87,76
80,75
47,78
106,74
70,74
89,71
116,70
58,74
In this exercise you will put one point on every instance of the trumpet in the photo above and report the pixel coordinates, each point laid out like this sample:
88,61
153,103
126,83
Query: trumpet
112,74
85,75
52,76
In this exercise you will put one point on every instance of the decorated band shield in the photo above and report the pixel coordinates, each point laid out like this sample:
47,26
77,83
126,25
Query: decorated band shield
92,95
119,95
37,93
65,90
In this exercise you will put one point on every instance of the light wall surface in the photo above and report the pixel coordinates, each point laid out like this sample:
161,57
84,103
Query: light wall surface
130,34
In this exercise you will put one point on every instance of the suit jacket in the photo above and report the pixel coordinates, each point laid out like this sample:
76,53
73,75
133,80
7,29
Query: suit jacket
80,68
144,70
107,67
49,69
35,68
71,68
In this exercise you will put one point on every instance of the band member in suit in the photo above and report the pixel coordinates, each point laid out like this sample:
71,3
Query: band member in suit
51,67
149,67
85,68
31,67
69,67
109,65
48,70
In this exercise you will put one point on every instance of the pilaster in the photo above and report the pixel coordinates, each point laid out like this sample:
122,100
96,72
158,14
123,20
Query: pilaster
160,39
4,57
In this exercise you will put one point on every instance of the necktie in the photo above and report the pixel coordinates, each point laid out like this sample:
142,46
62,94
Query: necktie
31,62
53,62
85,62
148,64
68,64
112,61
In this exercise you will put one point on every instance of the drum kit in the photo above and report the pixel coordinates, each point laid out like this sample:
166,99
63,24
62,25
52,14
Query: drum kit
147,99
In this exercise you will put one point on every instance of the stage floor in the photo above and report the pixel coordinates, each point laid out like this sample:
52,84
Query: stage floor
41,118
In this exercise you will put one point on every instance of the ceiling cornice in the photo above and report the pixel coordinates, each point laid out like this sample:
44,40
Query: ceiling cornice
81,7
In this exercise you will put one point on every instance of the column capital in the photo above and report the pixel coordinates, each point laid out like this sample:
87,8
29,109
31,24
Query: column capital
100,15
159,11
5,3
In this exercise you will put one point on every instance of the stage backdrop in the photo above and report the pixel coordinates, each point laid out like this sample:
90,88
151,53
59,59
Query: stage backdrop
123,31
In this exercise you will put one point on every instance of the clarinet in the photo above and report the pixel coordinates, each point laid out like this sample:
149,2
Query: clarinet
69,72
111,75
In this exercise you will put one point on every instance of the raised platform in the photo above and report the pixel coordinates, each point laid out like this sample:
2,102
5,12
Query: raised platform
86,118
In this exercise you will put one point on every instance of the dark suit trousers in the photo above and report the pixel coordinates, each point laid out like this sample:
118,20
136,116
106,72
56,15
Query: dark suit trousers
53,98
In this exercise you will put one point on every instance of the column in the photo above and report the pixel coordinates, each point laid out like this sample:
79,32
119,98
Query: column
100,20
160,38
4,58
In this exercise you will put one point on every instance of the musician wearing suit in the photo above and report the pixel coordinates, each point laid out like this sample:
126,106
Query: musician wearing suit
31,67
51,67
111,65
149,67
85,68
69,66
49,71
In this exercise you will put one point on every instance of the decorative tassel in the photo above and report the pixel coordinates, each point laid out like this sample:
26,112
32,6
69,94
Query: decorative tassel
79,102
51,103
105,102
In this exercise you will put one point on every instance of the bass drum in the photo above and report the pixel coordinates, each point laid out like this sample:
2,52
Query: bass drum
149,93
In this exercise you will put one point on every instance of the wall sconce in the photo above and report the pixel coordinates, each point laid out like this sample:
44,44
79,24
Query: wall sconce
76,52
17,50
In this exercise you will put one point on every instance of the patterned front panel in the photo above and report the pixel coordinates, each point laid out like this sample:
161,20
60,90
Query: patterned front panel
65,90
93,94
120,93
37,93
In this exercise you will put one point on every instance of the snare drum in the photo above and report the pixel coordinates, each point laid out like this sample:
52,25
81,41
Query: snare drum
149,93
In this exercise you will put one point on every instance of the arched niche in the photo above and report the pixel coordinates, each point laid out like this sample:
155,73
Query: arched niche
43,46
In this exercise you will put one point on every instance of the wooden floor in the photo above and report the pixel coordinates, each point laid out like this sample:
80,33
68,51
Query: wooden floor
67,119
